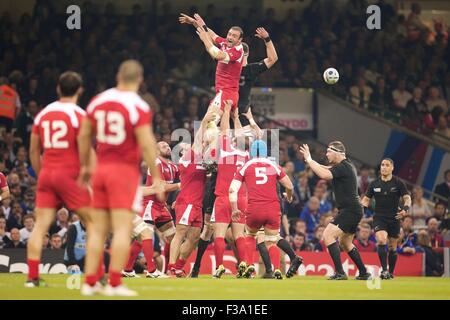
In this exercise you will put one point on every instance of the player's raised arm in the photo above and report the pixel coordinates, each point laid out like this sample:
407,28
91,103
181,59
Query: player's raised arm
272,56
198,139
213,51
35,152
200,23
253,123
318,169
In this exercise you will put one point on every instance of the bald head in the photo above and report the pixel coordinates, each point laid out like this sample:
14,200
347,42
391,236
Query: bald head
164,150
131,73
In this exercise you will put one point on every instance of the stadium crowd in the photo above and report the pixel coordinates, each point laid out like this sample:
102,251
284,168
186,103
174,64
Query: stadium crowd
412,80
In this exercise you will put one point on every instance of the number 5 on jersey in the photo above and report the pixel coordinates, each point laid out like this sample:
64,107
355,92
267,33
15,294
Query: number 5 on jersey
261,173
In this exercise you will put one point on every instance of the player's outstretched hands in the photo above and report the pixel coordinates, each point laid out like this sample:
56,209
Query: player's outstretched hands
185,19
199,20
209,116
261,33
202,34
304,149
236,215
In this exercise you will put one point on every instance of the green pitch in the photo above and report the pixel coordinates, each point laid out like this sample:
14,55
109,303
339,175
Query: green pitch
11,287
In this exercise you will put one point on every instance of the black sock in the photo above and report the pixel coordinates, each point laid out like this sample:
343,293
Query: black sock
202,245
335,254
354,255
286,247
382,254
265,256
392,257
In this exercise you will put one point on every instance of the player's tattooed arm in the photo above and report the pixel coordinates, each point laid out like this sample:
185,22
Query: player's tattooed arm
318,169
35,154
272,56
406,205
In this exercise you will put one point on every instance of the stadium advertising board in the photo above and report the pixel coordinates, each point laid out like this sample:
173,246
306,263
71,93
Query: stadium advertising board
291,107
316,263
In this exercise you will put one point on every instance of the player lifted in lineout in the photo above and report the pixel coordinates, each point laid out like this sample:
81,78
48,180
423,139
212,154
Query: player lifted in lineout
55,132
154,214
230,54
120,121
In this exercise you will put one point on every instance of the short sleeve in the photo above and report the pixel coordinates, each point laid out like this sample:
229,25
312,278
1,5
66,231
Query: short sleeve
239,175
257,68
235,54
281,173
402,188
219,40
35,129
369,192
145,117
338,170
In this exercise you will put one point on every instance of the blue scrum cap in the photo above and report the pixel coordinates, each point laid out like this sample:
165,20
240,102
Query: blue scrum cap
258,149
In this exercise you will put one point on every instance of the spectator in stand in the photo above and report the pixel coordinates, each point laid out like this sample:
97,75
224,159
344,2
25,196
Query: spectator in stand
297,226
28,222
401,96
55,242
311,215
408,231
317,241
61,224
420,210
4,239
364,179
442,126
15,242
46,243
15,216
434,100
433,264
302,188
320,192
360,94
9,104
416,29
443,189
381,97
436,239
362,241
415,110
406,245
440,211
299,243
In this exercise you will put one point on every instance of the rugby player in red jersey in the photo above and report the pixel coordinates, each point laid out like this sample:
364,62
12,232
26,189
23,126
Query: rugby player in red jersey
54,133
120,121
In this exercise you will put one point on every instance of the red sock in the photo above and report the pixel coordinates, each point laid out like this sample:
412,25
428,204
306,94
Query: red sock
242,249
101,268
170,266
179,265
166,255
33,269
134,252
274,254
91,279
147,248
251,246
115,278
219,250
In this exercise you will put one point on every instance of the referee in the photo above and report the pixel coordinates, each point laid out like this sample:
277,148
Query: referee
342,174
387,191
